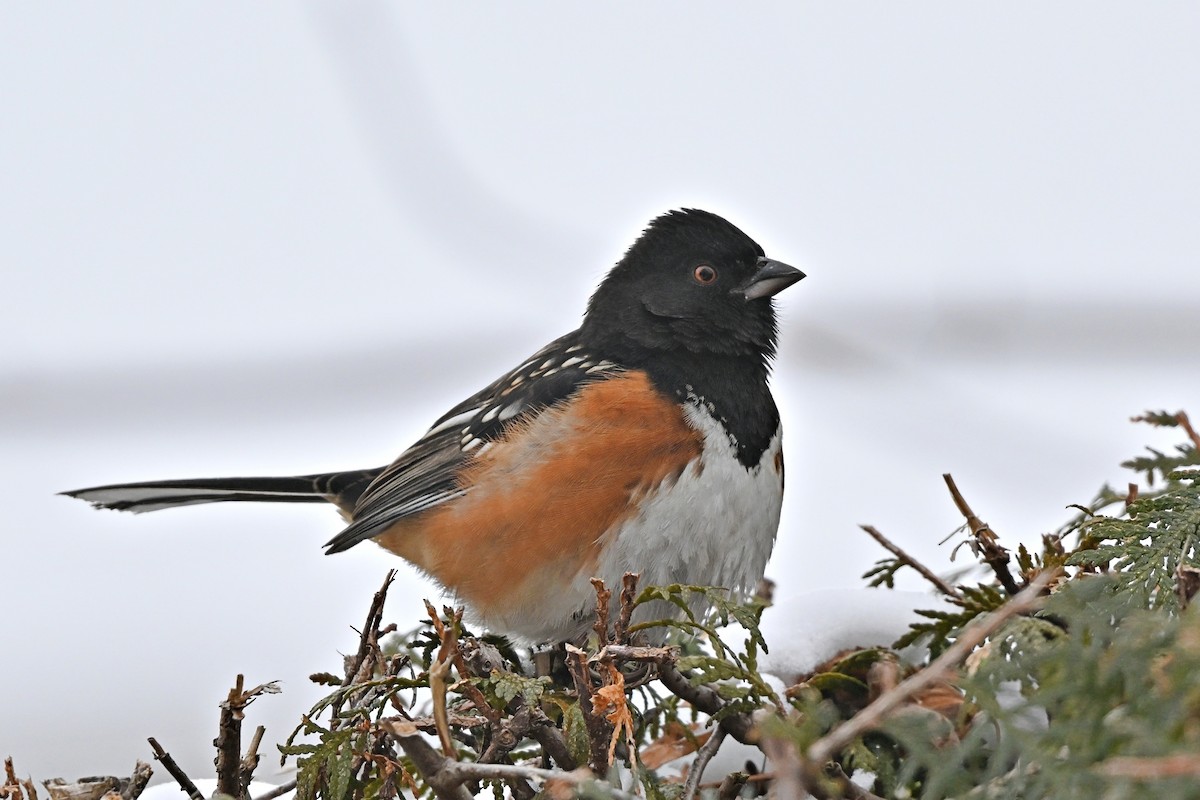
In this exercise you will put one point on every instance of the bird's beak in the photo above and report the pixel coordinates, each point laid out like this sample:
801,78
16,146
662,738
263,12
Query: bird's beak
771,279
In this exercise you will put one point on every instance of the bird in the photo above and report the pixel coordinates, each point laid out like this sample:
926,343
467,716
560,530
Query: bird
646,441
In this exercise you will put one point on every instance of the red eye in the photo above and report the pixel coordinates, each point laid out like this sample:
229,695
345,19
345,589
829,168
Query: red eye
704,275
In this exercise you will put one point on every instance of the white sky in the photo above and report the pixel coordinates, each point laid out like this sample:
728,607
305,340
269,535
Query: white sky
283,237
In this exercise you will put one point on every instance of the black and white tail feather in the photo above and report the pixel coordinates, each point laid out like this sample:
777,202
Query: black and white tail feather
340,488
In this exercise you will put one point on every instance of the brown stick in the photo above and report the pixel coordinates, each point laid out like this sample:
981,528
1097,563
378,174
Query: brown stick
625,652
925,571
757,777
178,774
598,729
603,595
507,735
447,777
278,791
11,788
234,772
553,743
994,555
1186,424
629,583
705,699
438,672
1150,768
363,661
703,756
137,782
825,748
249,761
432,764
229,743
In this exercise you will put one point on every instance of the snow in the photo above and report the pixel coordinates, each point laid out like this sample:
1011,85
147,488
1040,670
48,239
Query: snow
807,629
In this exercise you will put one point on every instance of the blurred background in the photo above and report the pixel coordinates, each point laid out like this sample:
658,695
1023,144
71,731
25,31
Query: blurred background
278,238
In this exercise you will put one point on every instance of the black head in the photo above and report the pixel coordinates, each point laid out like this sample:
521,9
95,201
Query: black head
692,282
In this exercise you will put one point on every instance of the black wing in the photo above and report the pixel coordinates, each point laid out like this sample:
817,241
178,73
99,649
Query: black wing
426,475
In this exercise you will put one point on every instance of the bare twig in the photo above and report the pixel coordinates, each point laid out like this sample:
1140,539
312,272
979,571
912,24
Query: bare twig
15,788
1181,765
553,743
93,787
625,652
703,756
729,787
480,660
580,777
629,584
100,787
598,729
869,718
278,791
438,672
234,772
797,778
994,554
12,787
250,760
432,765
705,699
788,784
447,777
507,735
360,667
758,777
136,785
1186,424
229,743
603,595
178,774
925,571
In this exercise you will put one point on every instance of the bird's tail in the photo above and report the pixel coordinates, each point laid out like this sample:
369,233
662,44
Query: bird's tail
340,488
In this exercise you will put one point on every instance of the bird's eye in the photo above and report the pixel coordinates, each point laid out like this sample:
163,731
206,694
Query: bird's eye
704,275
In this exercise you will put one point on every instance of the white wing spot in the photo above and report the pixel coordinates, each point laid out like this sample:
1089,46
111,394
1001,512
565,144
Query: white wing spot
457,419
510,411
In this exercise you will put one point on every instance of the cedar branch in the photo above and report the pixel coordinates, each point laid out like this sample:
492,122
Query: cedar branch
825,748
925,571
986,544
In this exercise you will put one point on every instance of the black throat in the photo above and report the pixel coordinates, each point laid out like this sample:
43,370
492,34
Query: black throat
731,387
733,390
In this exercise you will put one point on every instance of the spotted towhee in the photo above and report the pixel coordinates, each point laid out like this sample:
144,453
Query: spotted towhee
645,441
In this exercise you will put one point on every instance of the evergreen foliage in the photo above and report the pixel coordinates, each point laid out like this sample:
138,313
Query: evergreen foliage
1095,692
